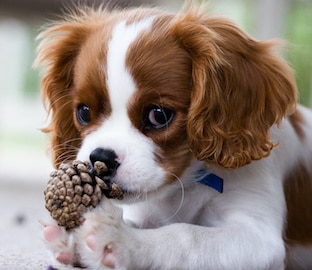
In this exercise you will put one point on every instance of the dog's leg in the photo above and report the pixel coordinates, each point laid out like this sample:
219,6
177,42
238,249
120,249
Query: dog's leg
106,241
97,250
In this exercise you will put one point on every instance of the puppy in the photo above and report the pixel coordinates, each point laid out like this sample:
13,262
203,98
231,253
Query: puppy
199,125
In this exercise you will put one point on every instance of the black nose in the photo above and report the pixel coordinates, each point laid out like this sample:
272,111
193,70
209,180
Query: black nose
108,157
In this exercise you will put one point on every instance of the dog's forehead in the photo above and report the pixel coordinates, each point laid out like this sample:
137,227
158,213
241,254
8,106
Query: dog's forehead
110,38
127,59
119,81
102,77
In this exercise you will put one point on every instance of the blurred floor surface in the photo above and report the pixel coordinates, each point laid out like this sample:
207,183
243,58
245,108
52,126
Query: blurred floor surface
21,244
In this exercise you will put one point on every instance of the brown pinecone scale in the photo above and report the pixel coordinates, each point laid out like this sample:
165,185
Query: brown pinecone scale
74,188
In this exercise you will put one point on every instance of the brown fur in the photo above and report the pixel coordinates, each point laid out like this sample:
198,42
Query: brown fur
298,194
70,51
227,91
240,90
297,120
231,75
58,52
150,64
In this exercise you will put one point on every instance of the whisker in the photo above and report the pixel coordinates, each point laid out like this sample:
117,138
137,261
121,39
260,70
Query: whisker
180,204
66,96
67,147
68,150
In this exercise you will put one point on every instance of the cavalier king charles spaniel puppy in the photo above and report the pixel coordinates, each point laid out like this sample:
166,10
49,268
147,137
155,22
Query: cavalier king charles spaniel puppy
199,125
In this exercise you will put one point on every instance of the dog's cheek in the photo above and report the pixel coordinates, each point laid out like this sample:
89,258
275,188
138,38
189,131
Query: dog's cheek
140,172
175,161
175,155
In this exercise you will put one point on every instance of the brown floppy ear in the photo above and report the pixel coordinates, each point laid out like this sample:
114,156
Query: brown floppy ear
240,89
57,52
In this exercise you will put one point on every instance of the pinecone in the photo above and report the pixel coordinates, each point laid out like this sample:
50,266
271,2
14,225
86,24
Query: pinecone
74,188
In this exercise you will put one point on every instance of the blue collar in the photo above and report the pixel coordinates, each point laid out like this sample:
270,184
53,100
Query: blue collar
209,179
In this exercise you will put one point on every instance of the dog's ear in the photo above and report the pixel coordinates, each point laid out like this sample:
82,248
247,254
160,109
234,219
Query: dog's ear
57,53
240,89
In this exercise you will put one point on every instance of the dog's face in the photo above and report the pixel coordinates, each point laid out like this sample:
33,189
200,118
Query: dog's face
147,92
131,104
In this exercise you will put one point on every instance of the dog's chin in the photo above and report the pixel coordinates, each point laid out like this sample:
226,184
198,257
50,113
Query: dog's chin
132,197
135,196
138,192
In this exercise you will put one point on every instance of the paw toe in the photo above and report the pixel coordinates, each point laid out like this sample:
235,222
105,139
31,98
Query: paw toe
109,258
52,233
64,257
91,242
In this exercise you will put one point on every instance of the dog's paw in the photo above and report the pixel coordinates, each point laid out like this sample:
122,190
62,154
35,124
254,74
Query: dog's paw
104,235
60,242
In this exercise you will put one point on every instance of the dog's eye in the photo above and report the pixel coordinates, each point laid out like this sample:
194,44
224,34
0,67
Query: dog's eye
158,117
83,114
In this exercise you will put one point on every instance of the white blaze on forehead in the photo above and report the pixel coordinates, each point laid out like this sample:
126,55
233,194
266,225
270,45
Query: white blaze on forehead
119,81
138,170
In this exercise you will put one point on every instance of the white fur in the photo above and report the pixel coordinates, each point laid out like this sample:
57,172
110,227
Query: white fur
117,132
119,82
238,229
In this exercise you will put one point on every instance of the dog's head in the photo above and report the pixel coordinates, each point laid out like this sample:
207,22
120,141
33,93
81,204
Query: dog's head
148,91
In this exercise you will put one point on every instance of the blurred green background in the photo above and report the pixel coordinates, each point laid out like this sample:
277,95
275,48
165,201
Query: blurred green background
22,145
